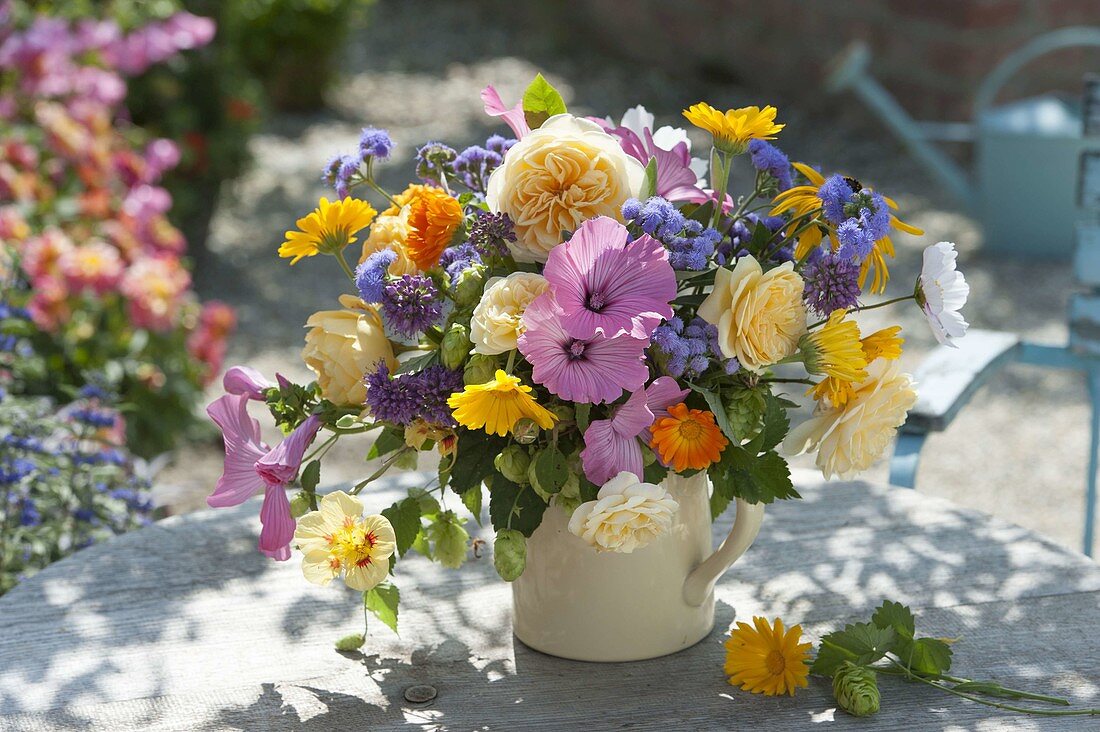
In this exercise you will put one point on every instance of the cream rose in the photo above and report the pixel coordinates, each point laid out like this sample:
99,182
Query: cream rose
759,315
390,231
342,345
498,318
557,176
626,515
849,438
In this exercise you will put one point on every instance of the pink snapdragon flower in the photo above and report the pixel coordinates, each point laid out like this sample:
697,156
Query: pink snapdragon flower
250,465
591,370
611,445
607,285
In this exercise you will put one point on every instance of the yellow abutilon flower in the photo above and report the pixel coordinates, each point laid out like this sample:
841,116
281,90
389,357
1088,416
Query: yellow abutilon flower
733,128
764,658
327,229
497,405
339,540
835,349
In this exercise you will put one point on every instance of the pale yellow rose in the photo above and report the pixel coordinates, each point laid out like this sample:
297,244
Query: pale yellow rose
850,438
626,515
498,318
759,315
559,175
390,231
342,345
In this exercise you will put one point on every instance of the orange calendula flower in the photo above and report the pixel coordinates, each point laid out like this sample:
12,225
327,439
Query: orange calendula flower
434,217
764,658
687,439
328,229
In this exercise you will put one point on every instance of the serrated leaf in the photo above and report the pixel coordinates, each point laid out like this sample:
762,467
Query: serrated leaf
714,401
776,424
382,601
474,456
513,506
311,475
551,469
649,188
472,499
924,655
722,495
404,516
388,440
757,479
541,97
861,643
897,616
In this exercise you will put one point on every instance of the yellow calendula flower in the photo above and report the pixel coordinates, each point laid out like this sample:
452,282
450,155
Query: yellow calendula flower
338,540
733,128
766,659
497,405
885,343
835,349
327,229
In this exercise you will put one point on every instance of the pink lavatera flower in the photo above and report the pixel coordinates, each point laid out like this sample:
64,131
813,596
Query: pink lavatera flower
611,445
247,381
513,117
590,370
606,285
250,465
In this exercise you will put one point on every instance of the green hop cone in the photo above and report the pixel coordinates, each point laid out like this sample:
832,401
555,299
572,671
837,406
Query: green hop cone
456,346
299,505
509,554
480,369
469,286
856,689
351,642
513,463
744,410
449,540
525,431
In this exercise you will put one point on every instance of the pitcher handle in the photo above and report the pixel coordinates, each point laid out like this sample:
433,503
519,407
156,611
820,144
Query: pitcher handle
746,526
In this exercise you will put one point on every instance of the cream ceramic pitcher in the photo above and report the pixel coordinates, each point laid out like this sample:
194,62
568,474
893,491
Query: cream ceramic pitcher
574,602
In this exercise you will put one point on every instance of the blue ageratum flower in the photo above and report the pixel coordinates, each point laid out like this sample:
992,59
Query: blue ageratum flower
375,143
370,276
768,158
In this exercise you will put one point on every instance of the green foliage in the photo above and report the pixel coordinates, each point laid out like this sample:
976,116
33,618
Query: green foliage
382,601
388,440
551,470
541,101
859,643
650,187
474,458
311,476
449,539
512,506
404,516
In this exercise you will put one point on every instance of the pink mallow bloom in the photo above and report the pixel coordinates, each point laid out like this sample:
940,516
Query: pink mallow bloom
606,285
513,117
611,445
590,370
246,381
250,465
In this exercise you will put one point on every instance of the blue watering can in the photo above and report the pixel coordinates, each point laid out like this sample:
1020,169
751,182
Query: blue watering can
1027,153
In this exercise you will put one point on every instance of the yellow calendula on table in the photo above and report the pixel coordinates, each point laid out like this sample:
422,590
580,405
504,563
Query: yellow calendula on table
764,658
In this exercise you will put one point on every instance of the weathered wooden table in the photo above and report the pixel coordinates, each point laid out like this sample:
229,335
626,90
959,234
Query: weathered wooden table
184,626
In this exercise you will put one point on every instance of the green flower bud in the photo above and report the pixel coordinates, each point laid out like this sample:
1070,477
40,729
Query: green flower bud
299,505
456,346
351,642
469,286
856,689
509,554
525,431
480,369
449,539
513,463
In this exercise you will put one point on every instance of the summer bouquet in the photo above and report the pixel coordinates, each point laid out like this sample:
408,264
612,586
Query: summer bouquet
566,317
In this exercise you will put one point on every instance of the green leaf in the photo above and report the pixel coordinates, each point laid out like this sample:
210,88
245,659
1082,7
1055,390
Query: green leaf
861,643
924,655
690,301
311,476
404,516
382,601
649,188
581,413
776,424
509,554
472,499
654,473
722,480
513,506
389,439
704,213
541,101
551,469
714,401
474,458
417,363
744,409
587,489
757,479
897,616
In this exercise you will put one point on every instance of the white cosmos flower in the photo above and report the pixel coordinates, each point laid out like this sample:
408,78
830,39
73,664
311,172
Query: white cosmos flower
626,515
941,293
638,120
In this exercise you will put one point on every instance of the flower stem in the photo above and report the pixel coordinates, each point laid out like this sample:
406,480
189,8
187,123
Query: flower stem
370,182
720,165
344,265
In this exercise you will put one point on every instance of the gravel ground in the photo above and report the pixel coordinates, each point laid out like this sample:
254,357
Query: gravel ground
1018,451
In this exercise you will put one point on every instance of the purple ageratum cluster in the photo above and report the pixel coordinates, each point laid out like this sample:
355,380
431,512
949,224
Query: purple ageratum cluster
831,282
403,398
861,216
491,233
688,350
375,144
455,259
767,158
475,164
740,236
689,244
411,304
341,170
435,163
370,276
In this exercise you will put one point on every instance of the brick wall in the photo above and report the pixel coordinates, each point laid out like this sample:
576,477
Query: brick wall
932,54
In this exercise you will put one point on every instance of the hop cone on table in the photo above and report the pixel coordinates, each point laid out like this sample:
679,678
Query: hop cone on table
856,689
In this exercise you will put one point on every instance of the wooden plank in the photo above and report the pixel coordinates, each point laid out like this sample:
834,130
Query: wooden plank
185,626
948,377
